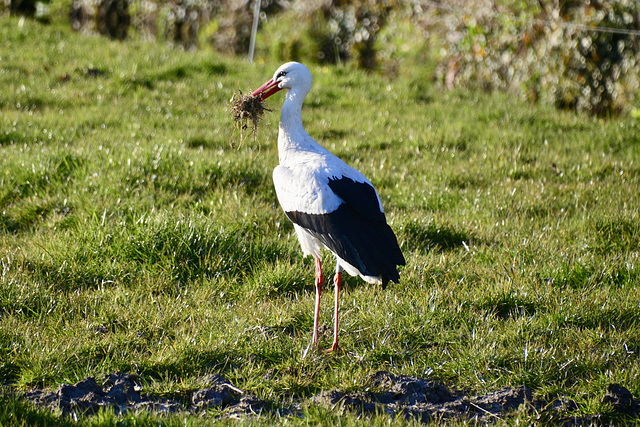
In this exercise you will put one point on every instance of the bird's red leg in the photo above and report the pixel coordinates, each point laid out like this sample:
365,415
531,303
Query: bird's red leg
336,281
316,315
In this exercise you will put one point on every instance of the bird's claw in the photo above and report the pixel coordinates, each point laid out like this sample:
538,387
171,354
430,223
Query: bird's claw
334,348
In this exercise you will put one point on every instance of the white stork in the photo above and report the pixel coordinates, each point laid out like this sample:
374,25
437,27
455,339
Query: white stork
331,204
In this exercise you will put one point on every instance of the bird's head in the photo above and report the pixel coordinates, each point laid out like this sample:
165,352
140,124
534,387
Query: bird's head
292,75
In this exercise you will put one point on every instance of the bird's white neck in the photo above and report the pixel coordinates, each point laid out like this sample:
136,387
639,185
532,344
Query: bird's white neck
292,137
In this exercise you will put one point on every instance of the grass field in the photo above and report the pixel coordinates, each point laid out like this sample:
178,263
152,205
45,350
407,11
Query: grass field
139,233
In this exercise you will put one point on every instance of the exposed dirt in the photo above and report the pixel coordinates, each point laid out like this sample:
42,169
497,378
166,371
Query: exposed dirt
398,395
424,399
122,392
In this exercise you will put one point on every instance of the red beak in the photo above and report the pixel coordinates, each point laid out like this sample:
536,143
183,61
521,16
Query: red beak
266,90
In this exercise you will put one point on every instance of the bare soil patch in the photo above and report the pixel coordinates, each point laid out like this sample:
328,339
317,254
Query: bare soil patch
423,399
122,392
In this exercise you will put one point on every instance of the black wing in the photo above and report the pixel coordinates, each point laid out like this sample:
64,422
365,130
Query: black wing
357,231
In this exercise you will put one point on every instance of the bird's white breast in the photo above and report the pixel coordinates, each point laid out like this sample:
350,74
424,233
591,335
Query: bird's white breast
302,181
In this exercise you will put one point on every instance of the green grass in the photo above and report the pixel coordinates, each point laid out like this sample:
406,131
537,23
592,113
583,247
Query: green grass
138,233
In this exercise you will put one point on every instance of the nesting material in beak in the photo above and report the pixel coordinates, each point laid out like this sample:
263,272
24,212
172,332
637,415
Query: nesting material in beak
247,108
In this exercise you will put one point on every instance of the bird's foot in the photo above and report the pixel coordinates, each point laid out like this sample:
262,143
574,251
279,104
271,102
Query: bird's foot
334,348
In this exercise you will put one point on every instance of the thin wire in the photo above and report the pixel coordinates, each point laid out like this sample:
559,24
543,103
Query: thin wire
579,27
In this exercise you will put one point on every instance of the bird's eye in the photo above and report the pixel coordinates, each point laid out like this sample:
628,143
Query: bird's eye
281,74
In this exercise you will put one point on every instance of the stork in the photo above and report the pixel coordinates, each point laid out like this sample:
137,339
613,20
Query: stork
332,205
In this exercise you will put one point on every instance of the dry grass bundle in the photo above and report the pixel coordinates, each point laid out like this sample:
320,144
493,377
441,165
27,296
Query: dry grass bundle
247,108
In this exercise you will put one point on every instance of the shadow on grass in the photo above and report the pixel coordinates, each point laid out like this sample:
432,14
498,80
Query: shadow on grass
507,305
178,72
24,217
9,371
19,213
416,236
9,138
14,412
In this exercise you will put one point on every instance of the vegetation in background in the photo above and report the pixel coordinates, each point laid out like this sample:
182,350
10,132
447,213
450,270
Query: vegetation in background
543,51
331,32
546,51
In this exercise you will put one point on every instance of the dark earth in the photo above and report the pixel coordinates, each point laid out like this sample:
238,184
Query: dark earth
422,399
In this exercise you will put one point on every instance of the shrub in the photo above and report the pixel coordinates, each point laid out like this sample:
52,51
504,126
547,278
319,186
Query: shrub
331,31
110,18
83,15
184,19
232,28
602,63
548,52
20,7
229,31
114,19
